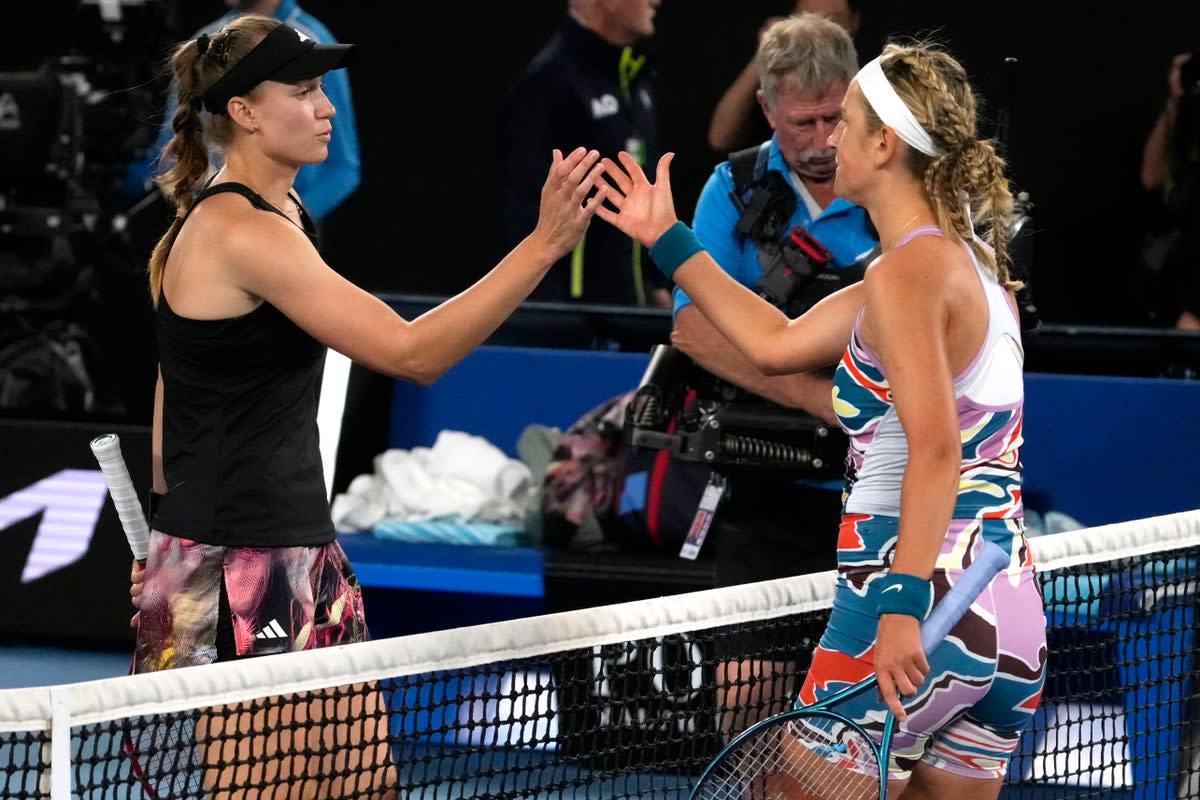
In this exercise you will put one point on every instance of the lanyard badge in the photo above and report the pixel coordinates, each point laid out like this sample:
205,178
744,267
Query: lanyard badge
713,492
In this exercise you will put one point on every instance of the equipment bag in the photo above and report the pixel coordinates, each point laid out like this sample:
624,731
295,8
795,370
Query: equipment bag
641,500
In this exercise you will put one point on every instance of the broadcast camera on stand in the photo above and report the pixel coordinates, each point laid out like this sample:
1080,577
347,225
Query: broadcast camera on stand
67,129
41,154
686,411
71,122
44,212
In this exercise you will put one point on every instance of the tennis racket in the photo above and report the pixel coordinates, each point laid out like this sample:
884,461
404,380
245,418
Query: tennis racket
107,449
161,749
815,753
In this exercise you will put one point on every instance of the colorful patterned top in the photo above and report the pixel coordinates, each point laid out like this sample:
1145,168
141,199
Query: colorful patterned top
990,396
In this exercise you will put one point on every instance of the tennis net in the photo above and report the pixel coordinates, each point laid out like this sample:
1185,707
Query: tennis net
622,701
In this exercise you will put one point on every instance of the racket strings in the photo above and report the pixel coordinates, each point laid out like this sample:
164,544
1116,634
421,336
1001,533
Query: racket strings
801,760
163,755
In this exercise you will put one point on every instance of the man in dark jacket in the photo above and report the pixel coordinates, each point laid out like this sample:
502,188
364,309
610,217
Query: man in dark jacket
589,86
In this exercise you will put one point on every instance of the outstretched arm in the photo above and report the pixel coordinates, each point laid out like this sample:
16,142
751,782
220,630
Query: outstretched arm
731,118
280,266
771,342
1156,154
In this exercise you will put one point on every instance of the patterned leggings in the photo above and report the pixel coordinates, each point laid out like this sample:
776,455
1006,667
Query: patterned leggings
985,678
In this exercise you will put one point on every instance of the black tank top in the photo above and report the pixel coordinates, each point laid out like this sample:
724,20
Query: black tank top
240,449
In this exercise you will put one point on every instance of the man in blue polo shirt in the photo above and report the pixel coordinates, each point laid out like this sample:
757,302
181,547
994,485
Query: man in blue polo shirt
321,187
770,525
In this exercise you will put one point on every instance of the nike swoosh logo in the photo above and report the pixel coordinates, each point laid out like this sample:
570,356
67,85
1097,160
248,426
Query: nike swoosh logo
892,588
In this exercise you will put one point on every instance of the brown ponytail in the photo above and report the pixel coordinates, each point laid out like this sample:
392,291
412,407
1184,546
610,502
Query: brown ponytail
195,66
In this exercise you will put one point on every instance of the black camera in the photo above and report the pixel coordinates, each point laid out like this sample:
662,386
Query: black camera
683,409
74,111
70,125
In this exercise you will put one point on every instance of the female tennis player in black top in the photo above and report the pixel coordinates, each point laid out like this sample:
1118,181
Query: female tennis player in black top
243,557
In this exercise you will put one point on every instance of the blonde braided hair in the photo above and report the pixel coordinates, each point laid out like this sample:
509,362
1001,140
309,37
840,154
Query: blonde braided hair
969,173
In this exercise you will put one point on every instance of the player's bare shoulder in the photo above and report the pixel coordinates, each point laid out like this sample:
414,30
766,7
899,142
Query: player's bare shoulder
926,266
251,243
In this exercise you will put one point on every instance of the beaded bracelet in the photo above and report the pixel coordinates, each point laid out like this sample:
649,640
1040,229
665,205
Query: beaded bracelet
898,593
674,247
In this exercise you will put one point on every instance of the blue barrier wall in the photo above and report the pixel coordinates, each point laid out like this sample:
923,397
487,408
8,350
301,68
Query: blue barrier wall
1101,449
496,391
1107,449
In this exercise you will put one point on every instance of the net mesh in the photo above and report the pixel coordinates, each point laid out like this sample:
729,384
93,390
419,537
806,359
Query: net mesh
624,701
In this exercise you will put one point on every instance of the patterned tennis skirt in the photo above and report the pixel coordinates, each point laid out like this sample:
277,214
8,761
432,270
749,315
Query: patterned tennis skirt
203,603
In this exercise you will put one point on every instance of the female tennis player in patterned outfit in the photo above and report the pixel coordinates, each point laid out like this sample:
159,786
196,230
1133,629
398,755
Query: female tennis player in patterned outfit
929,387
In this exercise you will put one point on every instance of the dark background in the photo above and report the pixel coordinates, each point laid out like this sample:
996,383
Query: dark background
1088,82
1091,78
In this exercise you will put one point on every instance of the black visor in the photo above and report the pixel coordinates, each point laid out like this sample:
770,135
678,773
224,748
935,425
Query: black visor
284,55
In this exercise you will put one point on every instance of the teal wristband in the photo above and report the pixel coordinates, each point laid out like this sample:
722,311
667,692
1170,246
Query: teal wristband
898,593
674,247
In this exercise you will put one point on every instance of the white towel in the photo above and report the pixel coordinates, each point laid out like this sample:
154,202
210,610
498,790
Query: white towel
462,477
478,461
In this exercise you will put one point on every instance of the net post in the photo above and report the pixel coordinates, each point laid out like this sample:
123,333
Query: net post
60,743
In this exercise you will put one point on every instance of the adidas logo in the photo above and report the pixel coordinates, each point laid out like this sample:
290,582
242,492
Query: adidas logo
272,630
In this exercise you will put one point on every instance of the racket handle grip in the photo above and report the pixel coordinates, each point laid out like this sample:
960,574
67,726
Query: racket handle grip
989,561
107,449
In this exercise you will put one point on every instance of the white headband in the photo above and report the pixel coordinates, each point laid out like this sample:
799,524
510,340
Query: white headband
891,110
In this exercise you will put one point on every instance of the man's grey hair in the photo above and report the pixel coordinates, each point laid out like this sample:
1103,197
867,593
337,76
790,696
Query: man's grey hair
810,50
